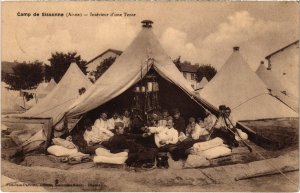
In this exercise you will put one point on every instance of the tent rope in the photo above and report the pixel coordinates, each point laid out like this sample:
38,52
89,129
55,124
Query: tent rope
248,100
276,168
268,161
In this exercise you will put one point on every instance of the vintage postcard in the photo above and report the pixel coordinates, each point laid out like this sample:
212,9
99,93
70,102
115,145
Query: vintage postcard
149,96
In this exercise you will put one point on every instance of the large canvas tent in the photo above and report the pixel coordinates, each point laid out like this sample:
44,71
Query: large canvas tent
62,96
238,87
276,87
143,54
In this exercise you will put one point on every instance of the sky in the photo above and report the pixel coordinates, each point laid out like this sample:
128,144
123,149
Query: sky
200,32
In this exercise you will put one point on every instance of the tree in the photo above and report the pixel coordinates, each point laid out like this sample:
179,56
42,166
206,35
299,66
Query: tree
206,70
104,65
60,62
25,75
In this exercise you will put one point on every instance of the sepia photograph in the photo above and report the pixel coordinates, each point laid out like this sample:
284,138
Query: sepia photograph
161,96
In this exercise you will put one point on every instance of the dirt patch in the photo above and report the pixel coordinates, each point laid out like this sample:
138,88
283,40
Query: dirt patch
89,178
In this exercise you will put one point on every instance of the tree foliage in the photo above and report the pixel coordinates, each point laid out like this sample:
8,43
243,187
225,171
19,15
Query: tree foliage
60,62
206,70
177,62
26,75
102,67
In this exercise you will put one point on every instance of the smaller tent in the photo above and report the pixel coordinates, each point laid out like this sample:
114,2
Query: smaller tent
202,83
43,89
62,96
10,103
40,92
59,99
49,87
238,87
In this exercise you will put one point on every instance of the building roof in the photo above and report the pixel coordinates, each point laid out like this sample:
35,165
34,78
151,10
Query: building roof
118,52
281,49
188,68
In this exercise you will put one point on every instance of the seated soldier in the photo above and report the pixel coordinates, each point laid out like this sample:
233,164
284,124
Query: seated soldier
79,140
102,121
111,122
118,142
179,122
126,119
209,121
99,132
163,120
200,121
165,113
137,121
165,136
194,134
194,130
137,154
153,121
153,118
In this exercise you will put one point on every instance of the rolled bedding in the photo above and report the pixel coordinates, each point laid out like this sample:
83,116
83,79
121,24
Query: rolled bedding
104,156
110,160
63,142
215,152
202,146
105,152
61,151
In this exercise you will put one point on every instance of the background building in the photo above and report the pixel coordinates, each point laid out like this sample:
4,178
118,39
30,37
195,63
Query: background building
189,72
283,64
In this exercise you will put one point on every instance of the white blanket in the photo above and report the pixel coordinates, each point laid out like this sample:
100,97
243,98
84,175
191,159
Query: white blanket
109,160
104,152
215,152
61,151
63,142
201,146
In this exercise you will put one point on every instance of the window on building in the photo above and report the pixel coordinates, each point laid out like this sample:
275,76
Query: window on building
184,74
192,76
193,86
